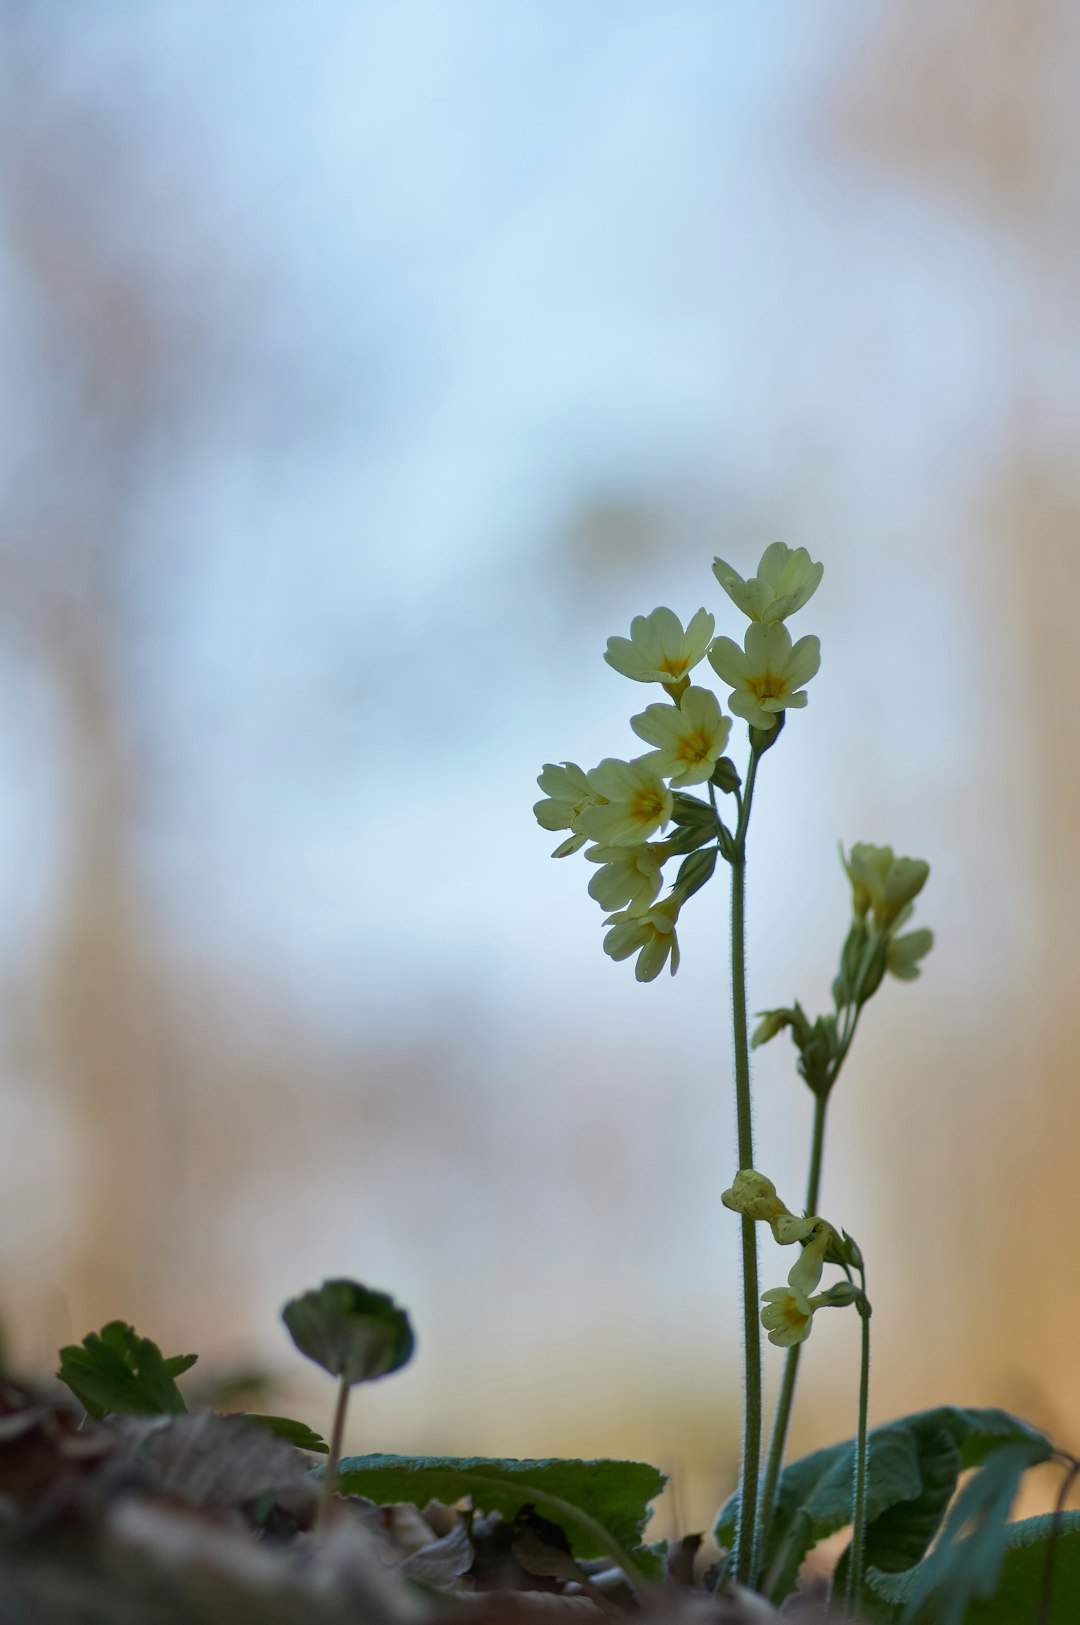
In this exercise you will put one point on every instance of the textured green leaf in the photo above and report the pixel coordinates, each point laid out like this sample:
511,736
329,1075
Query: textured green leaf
115,1371
350,1330
616,1494
1018,1589
913,1467
283,1427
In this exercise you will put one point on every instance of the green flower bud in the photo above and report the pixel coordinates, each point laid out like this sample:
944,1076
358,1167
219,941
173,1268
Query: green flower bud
774,1021
726,776
693,873
839,1296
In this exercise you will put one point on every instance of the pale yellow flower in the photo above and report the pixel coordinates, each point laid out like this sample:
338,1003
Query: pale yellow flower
567,792
755,1196
691,736
629,802
767,673
904,953
883,884
805,1274
786,579
658,650
787,1316
630,877
650,935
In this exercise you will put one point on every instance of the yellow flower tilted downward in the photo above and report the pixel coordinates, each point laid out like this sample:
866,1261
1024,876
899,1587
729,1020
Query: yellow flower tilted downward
629,802
567,791
787,1315
630,877
755,1196
805,1274
658,650
767,673
650,935
690,736
786,579
904,953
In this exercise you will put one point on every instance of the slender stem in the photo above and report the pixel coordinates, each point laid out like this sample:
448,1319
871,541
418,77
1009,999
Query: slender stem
746,1532
817,1151
858,1520
786,1396
330,1471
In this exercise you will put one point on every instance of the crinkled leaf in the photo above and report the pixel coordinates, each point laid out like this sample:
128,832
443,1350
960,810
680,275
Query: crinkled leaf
959,1569
900,1536
350,1330
283,1427
115,1371
911,1464
1018,1586
617,1494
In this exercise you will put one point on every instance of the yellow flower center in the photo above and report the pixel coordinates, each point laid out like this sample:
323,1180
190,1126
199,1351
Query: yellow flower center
793,1314
674,665
767,686
693,748
647,806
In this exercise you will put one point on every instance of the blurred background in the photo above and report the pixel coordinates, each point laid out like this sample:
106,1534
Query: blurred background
363,367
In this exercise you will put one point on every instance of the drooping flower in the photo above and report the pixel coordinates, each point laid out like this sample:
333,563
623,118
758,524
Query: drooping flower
904,953
630,876
658,650
691,736
883,884
787,1316
755,1196
786,579
650,935
567,791
805,1274
629,802
788,1313
767,673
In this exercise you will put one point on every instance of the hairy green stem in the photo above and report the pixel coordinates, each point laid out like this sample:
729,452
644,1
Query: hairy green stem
750,1469
858,1520
785,1399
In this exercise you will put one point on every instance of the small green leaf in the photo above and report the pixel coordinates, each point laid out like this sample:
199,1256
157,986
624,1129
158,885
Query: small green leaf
283,1427
115,1371
350,1330
616,1494
177,1364
1018,1587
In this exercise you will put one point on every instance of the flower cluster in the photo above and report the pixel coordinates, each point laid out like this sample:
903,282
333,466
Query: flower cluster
789,1310
618,805
883,892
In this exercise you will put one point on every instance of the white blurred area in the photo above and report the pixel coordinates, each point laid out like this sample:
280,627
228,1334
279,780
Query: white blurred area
362,368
